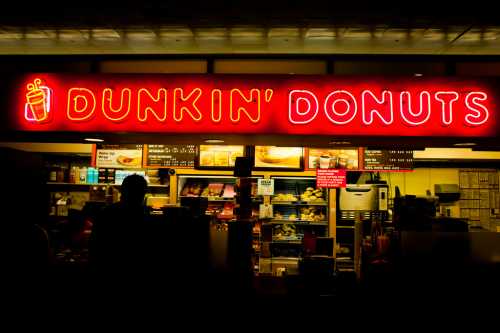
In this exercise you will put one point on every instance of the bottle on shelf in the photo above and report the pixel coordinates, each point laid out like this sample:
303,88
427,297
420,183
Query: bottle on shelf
95,174
61,174
73,175
53,174
90,176
83,175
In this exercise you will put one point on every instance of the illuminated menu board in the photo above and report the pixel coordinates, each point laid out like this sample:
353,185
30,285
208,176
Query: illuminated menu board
170,156
317,158
388,160
118,156
274,157
219,156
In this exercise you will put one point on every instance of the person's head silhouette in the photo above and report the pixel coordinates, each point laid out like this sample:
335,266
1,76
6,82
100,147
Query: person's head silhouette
133,190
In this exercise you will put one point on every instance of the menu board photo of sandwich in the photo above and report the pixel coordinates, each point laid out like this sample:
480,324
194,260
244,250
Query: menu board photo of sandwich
274,157
318,158
119,156
219,156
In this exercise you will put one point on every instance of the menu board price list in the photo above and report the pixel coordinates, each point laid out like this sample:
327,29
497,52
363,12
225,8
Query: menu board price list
388,160
171,155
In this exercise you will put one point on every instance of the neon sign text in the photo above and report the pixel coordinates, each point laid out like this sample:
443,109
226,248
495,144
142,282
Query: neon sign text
341,107
116,106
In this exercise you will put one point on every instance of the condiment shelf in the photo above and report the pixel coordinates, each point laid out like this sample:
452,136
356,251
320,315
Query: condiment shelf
98,184
75,184
215,199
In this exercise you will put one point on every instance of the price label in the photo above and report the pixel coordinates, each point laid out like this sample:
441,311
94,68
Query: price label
265,187
330,178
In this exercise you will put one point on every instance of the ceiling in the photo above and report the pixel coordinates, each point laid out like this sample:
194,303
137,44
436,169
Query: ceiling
257,27
278,27
184,39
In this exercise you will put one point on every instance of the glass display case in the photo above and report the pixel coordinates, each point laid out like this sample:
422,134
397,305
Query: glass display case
300,214
220,192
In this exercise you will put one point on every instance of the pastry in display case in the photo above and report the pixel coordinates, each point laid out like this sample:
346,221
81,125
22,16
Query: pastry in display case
285,197
312,195
227,212
285,231
228,191
192,190
312,214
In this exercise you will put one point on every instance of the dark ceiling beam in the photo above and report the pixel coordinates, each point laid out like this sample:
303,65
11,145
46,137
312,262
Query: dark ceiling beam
125,13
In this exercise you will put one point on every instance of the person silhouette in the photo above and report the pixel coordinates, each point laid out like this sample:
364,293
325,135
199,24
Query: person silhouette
25,248
119,239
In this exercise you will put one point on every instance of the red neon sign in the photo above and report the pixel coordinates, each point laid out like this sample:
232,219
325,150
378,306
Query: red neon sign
38,103
299,105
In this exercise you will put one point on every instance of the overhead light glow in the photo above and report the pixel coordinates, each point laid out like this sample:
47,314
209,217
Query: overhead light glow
214,141
339,143
464,144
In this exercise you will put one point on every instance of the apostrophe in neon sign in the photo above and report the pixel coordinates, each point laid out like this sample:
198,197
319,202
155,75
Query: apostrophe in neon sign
38,102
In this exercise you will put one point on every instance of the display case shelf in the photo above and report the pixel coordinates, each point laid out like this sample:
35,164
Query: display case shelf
215,199
211,199
284,241
298,222
298,203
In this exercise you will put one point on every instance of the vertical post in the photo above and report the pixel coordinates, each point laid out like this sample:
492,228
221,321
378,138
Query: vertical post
244,199
332,218
240,231
358,235
173,189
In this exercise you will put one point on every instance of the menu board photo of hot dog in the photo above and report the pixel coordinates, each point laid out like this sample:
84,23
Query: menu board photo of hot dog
278,157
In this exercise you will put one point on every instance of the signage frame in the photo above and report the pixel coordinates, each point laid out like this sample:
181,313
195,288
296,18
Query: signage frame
258,104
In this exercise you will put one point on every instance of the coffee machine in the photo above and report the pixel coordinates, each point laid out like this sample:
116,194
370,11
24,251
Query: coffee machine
360,207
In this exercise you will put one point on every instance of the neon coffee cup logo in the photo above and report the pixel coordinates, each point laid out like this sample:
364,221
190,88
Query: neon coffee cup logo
37,108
